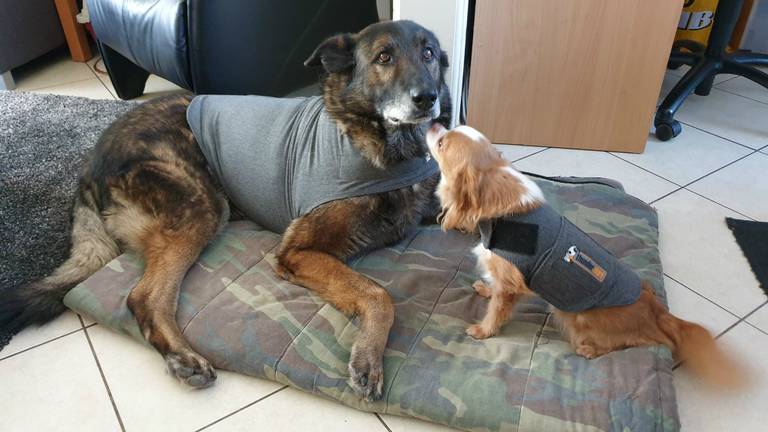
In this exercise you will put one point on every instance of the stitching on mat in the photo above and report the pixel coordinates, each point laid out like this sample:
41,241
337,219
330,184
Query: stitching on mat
293,341
530,362
416,339
227,286
658,390
660,424
325,303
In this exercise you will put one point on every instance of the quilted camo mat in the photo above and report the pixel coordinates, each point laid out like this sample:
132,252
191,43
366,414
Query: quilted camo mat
236,312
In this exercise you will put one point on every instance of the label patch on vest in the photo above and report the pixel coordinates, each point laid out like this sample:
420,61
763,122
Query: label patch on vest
584,262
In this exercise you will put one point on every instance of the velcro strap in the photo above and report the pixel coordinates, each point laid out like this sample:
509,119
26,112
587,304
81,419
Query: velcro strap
516,237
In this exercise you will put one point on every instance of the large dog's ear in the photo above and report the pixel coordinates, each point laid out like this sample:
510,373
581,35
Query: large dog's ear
444,59
335,54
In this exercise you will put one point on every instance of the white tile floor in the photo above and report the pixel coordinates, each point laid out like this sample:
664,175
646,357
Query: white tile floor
74,375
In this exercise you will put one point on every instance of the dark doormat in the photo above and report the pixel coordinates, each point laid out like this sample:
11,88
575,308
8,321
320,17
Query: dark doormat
752,237
43,141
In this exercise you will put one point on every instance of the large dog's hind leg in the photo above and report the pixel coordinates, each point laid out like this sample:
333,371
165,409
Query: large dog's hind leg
153,301
167,217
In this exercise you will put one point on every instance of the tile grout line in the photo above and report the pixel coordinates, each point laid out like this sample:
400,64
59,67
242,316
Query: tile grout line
42,343
95,74
382,422
103,377
679,186
526,156
741,320
721,168
715,135
52,86
745,97
701,295
674,72
717,336
756,327
752,313
725,81
704,176
242,408
715,87
729,328
651,203
643,168
721,205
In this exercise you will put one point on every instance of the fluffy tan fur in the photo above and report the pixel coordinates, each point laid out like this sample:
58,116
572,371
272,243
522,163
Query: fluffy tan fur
478,183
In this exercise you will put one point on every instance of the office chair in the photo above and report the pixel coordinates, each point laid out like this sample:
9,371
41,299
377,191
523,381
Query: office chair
706,65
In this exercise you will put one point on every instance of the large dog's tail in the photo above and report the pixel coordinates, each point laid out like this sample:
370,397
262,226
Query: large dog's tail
41,301
695,347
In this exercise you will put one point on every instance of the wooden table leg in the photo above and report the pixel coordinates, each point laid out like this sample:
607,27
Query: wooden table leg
73,31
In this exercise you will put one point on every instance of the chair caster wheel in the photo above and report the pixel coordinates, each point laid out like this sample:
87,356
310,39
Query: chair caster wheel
668,130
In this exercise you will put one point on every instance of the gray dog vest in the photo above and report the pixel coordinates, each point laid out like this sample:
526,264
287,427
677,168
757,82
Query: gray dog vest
279,158
560,262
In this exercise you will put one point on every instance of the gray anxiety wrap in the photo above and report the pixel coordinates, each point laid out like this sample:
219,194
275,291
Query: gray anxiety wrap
279,158
563,284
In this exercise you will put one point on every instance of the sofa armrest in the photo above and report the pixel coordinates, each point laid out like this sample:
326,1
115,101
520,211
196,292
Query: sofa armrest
149,33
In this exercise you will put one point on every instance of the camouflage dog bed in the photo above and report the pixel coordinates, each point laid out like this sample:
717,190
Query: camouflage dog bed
236,312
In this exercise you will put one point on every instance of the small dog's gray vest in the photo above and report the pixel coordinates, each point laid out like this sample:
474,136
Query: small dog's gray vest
560,262
279,158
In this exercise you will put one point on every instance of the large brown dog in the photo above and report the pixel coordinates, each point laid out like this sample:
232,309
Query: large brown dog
147,189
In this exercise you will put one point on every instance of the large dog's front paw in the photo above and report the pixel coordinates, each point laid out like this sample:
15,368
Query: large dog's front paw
191,369
366,373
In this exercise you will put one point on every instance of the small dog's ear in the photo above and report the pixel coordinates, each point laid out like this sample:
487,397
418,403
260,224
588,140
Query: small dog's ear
464,213
450,219
444,59
335,54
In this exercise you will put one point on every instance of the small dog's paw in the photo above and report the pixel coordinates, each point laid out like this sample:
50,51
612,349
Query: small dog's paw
587,351
478,332
366,373
191,369
482,289
283,273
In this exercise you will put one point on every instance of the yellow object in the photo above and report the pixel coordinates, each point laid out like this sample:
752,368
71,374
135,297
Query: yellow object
696,20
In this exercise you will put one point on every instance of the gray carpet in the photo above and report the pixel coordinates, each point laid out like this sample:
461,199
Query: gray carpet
43,141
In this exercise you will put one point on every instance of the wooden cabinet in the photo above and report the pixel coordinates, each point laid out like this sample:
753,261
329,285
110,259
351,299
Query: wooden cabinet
569,73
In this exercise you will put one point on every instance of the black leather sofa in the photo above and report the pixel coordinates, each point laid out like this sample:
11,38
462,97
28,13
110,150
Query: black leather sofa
219,46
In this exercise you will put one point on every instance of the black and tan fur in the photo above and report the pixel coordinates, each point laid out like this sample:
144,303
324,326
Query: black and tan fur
147,189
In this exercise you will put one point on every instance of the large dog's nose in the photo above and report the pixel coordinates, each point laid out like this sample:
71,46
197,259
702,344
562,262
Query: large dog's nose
424,99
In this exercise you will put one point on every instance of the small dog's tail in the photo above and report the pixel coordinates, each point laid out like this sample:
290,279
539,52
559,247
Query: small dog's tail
41,301
695,347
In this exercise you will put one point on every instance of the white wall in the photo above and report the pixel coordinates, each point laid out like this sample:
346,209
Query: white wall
448,20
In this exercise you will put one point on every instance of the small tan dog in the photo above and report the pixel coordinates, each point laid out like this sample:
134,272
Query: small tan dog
478,186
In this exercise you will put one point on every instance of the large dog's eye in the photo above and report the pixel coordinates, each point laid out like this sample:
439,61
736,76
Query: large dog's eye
428,54
440,143
383,58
